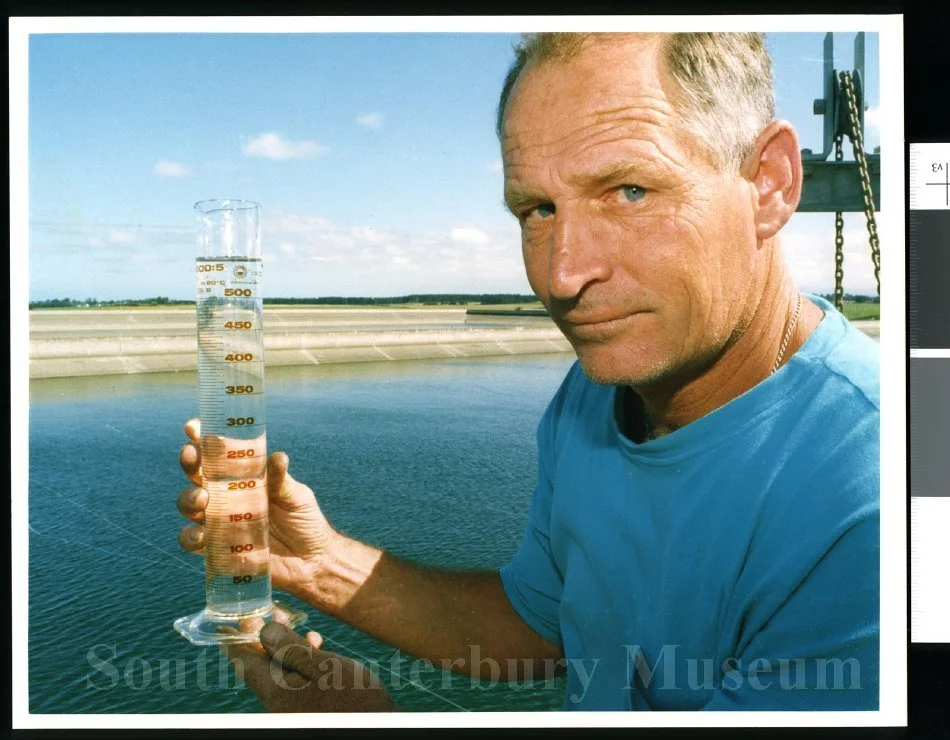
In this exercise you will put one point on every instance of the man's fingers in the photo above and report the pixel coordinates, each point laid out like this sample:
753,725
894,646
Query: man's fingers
190,456
266,677
278,477
192,539
288,680
291,651
250,624
190,460
193,430
255,667
282,489
279,615
238,649
192,503
233,457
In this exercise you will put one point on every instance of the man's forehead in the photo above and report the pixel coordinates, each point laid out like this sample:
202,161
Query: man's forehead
619,70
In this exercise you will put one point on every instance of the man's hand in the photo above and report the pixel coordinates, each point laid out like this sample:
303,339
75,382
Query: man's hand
432,613
289,673
299,533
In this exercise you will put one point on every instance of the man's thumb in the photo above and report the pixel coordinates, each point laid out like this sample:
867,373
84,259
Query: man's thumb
281,487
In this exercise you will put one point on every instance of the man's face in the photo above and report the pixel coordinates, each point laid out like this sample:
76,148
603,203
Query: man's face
643,253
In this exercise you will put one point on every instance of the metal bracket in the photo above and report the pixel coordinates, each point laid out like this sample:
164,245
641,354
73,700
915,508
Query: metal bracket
831,186
832,106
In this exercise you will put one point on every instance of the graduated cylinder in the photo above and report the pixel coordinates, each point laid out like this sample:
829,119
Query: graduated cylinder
233,426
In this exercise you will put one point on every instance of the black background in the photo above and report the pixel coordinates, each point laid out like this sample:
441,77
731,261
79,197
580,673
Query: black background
927,119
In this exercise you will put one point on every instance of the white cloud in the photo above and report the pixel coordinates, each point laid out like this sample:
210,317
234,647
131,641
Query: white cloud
294,223
366,233
403,263
495,166
469,235
272,145
308,255
107,242
872,118
171,169
370,120
336,259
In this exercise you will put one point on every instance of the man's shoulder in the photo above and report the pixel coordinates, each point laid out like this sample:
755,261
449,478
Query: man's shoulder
832,469
842,403
850,360
857,361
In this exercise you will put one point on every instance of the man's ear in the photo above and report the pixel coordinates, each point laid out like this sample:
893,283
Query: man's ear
774,167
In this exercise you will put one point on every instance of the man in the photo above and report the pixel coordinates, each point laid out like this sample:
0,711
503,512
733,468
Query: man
704,532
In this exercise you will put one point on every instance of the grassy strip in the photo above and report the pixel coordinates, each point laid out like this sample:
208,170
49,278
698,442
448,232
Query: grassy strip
858,311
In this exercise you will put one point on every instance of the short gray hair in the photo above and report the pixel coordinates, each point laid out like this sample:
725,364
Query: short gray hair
723,93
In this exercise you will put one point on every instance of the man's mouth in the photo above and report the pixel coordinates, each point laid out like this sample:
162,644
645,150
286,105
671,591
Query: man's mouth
597,327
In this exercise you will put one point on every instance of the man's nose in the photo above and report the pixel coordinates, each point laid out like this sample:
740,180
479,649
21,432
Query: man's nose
578,256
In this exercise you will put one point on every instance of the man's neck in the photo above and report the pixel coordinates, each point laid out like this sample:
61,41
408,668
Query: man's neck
742,364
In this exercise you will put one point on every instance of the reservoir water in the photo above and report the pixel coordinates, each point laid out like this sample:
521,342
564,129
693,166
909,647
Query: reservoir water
432,460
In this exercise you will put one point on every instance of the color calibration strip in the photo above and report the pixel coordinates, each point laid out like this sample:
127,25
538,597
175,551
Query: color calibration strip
929,297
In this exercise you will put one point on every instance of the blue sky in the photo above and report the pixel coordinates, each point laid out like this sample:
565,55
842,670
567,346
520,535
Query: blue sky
373,156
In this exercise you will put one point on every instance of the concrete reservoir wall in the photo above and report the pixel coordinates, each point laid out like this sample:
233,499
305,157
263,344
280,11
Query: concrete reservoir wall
68,343
110,342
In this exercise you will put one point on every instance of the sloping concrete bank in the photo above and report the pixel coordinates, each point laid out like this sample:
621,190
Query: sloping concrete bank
66,323
57,358
97,342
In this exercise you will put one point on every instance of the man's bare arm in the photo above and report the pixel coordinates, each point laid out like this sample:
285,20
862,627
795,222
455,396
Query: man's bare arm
457,617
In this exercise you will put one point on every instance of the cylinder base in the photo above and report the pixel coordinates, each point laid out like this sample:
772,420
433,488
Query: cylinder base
204,628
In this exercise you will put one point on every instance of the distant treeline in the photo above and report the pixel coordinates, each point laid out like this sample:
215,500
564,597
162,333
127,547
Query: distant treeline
95,302
830,297
426,299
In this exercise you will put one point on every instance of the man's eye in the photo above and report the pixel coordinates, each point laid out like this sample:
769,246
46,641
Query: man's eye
632,193
543,211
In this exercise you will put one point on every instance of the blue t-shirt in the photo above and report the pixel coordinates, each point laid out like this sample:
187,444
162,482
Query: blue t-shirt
731,564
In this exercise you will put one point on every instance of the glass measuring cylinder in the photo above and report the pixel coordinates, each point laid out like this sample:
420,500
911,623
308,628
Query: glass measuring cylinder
233,428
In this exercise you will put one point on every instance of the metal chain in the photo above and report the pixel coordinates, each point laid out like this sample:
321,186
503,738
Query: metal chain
839,241
857,141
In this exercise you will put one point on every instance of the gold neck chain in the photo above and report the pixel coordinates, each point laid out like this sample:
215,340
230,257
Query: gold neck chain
788,334
649,431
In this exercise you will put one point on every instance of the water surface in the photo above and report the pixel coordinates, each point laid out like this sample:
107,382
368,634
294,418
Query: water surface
431,460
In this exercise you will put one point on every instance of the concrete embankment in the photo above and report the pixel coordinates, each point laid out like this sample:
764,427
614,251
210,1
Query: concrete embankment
118,342
92,342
